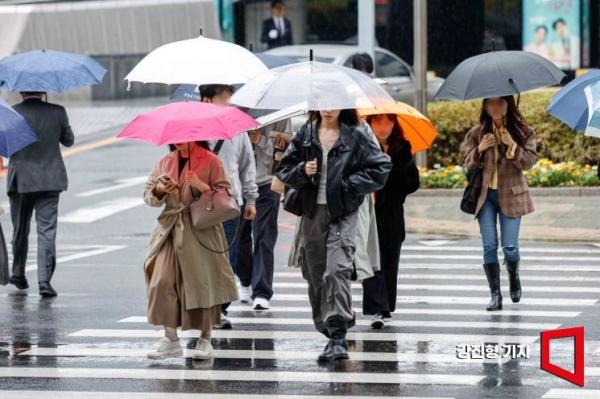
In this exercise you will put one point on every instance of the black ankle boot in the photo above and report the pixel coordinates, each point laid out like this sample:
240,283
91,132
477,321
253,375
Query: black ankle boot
513,279
339,349
46,290
492,272
19,282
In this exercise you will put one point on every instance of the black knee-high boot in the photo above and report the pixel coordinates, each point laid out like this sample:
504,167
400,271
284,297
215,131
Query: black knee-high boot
514,280
492,272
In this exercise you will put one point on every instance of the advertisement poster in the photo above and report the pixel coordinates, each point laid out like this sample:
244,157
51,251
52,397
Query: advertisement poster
552,29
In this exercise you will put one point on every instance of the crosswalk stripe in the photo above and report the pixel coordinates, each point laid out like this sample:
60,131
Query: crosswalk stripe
458,287
479,249
523,258
424,311
101,210
458,300
400,323
302,335
119,184
561,393
178,395
465,266
78,351
239,375
524,277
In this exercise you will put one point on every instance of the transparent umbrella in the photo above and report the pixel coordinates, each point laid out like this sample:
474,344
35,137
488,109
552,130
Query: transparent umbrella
320,85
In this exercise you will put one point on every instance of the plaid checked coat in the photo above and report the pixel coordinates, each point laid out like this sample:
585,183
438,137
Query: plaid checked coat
513,192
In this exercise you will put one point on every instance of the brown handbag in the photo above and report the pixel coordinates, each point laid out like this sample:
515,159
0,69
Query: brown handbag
213,207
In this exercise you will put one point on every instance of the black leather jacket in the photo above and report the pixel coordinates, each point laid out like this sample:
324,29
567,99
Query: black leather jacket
356,167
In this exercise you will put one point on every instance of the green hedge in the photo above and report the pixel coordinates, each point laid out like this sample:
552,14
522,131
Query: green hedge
556,141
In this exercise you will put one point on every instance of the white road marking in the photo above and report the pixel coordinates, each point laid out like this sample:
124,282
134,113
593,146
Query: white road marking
399,323
479,249
523,258
238,375
457,300
578,393
524,277
434,243
178,395
94,251
78,351
425,311
120,184
303,335
456,266
458,287
101,210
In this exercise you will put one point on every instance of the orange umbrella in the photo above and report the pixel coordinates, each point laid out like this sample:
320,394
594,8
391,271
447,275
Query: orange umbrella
417,128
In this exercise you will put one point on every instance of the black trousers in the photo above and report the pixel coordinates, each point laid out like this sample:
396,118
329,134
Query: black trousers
380,291
22,206
256,248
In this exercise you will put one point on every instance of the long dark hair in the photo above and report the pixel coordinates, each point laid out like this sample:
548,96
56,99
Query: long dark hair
203,144
396,141
515,123
347,117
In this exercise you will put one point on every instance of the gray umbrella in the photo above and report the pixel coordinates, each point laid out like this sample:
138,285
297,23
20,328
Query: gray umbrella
497,74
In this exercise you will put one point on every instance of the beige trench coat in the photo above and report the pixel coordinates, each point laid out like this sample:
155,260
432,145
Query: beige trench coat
207,277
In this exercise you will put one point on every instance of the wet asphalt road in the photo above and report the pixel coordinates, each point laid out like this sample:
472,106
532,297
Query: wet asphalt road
89,342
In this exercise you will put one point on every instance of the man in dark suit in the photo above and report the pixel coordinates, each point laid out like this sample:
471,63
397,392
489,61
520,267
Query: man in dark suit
277,30
36,177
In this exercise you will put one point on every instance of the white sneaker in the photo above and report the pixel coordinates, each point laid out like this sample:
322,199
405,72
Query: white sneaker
166,348
261,303
203,350
377,321
246,294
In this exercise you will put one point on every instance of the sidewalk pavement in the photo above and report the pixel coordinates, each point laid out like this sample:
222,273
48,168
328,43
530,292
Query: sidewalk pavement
562,214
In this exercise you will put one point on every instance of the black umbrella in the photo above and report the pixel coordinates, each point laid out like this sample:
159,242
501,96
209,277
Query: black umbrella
497,74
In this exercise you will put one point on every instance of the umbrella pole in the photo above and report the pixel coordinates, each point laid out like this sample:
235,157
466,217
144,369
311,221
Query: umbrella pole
189,156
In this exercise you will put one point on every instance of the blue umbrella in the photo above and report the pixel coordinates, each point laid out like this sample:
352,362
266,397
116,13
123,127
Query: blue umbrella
570,105
15,133
190,92
592,94
49,71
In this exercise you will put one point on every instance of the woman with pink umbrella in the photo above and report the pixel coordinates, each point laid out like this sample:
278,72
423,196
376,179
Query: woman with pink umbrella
187,268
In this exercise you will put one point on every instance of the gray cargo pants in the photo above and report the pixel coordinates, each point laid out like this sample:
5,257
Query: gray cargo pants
326,259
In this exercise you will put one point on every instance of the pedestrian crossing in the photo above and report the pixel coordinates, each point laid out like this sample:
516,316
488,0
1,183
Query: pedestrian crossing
272,354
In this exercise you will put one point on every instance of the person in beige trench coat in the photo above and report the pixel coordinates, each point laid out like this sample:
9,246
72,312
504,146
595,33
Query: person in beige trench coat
187,283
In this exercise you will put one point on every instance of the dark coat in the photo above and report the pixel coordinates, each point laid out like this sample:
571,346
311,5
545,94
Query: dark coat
356,167
281,40
513,191
40,166
402,180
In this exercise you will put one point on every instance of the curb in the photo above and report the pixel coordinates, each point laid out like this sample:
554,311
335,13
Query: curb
416,225
535,191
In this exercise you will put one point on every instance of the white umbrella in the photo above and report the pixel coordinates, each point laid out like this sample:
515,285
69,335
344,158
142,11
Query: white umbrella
197,61
320,85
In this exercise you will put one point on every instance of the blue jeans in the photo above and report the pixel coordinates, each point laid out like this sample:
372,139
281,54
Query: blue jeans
509,231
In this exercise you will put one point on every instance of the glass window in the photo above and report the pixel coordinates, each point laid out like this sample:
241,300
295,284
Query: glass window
388,66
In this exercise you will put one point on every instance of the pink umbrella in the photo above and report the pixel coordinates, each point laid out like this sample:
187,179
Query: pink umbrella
183,122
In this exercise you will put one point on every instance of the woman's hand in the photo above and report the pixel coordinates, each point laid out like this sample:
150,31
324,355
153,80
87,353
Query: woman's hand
310,168
190,177
165,185
506,137
488,141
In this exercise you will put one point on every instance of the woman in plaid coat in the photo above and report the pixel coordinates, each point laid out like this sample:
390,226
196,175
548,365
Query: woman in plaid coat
504,146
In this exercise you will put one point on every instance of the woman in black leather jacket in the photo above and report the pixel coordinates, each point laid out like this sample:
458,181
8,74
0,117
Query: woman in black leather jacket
332,164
